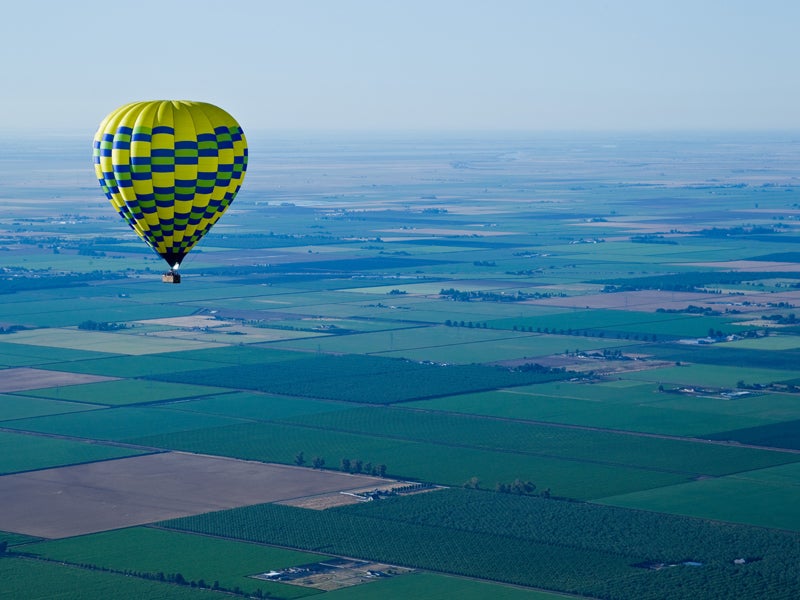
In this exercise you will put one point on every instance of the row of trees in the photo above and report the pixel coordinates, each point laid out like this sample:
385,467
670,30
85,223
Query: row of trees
346,465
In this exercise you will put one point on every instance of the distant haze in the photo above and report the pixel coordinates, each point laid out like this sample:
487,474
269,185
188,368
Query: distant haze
416,65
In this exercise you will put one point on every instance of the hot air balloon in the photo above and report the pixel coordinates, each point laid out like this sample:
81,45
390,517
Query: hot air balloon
170,168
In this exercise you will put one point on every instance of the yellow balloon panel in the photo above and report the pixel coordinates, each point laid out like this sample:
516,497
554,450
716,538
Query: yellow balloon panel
170,168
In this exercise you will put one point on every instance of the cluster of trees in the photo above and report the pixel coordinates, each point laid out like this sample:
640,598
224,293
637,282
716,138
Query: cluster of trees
690,310
651,238
347,465
11,329
469,295
101,326
358,466
470,324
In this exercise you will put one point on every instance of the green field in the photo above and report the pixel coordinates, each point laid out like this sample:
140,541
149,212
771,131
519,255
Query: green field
624,323
260,407
20,452
38,580
627,405
766,498
148,551
120,423
124,391
713,375
18,407
436,587
362,379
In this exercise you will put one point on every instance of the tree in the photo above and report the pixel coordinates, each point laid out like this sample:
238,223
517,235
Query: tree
345,465
357,465
382,470
473,483
317,462
299,459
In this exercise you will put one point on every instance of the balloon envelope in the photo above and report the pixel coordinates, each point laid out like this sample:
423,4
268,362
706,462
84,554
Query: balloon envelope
170,168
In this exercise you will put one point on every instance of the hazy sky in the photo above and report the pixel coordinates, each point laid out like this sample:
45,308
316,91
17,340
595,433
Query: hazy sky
408,64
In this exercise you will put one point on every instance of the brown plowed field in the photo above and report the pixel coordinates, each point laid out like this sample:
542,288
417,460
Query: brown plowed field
25,378
68,501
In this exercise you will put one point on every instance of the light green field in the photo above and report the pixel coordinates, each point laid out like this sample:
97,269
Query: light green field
645,418
430,586
711,375
769,343
196,557
24,355
57,313
20,452
97,341
763,406
766,498
39,580
14,406
232,355
462,345
124,391
121,423
261,407
623,322
132,366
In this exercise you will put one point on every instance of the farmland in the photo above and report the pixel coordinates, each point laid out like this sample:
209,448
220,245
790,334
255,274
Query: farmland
590,368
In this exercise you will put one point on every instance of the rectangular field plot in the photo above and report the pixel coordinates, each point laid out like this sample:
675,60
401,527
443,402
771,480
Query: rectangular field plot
625,323
356,378
96,341
712,375
100,496
775,435
766,498
645,417
57,313
592,446
132,366
119,423
234,355
437,587
125,391
233,333
398,340
21,452
39,580
18,406
767,407
23,378
22,355
261,407
152,551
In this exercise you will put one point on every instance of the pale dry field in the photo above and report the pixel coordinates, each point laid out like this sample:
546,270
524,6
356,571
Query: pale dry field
24,378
